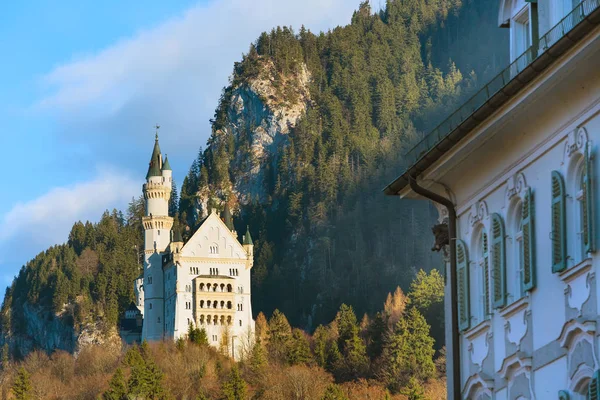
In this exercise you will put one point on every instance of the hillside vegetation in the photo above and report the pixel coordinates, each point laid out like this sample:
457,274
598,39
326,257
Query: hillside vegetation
390,356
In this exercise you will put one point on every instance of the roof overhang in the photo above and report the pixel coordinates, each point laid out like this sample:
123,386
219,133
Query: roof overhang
400,186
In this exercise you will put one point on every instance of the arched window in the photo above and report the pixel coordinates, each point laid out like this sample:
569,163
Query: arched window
514,265
479,273
229,288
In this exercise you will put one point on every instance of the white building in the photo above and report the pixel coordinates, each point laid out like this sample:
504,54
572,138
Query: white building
518,165
205,282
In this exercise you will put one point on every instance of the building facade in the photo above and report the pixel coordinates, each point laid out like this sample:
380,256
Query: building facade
518,166
204,282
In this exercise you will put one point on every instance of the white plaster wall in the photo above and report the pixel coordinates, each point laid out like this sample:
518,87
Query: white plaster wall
548,380
528,137
154,295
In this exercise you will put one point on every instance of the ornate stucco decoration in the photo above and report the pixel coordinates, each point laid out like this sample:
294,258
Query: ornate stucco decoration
478,213
516,185
479,339
575,337
515,315
514,366
578,281
575,144
477,385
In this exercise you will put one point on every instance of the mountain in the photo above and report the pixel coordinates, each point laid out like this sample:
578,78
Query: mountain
308,131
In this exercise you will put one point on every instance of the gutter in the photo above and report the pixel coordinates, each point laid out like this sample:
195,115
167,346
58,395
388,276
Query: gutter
455,340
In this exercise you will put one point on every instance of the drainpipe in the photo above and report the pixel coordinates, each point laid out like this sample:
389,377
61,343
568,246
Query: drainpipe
453,288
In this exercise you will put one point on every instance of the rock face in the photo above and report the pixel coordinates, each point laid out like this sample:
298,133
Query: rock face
48,331
260,114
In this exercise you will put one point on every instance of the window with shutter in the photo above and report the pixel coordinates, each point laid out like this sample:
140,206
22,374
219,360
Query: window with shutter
528,248
462,277
593,388
498,261
588,204
486,275
559,224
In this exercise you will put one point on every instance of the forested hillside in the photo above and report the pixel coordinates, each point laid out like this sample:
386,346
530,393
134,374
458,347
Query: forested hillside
310,187
306,134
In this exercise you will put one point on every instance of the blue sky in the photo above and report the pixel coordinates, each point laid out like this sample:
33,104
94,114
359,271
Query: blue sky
83,83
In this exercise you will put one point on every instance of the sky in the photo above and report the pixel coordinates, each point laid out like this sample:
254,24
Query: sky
83,83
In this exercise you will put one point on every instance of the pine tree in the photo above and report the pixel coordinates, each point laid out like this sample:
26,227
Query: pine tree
409,352
334,392
355,357
320,348
299,349
280,334
173,200
235,387
394,307
22,385
117,387
413,390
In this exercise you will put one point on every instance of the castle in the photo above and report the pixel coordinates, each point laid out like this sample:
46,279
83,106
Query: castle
204,281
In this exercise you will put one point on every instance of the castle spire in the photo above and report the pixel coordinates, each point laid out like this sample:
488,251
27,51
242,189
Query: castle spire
227,217
247,237
156,159
166,166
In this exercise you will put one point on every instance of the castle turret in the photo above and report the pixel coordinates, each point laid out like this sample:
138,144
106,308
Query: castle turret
157,236
248,245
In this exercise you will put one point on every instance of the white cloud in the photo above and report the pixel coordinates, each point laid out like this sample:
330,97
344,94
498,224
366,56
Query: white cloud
172,73
48,219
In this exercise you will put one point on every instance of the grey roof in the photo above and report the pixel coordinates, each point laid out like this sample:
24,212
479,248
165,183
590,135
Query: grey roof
166,166
247,237
154,167
227,217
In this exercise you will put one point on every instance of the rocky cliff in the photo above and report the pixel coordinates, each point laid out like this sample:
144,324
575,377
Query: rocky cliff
42,329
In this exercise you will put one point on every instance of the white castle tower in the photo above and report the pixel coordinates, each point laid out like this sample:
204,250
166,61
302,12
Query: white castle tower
157,232
204,282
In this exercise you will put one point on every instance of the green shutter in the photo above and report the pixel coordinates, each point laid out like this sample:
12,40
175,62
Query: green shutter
528,255
593,388
588,206
462,277
486,276
498,261
559,224
563,395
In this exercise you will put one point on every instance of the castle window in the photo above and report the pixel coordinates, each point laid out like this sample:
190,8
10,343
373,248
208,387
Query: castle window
149,306
521,33
229,288
214,338
158,320
240,322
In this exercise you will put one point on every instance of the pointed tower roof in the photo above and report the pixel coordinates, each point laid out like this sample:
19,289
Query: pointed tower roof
154,167
247,237
227,217
177,235
166,165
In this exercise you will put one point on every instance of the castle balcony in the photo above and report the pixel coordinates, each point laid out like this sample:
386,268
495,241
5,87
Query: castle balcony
207,319
210,285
